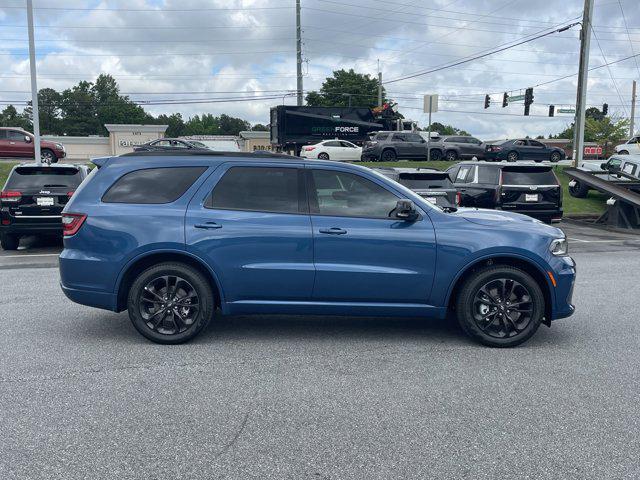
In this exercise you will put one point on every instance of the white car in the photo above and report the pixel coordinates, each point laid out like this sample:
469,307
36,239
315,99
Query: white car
632,146
340,150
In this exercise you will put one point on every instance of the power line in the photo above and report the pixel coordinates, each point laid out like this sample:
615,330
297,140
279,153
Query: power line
151,10
486,54
624,19
609,70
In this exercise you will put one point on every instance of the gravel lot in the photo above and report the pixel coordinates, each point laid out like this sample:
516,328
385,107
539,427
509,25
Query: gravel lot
82,395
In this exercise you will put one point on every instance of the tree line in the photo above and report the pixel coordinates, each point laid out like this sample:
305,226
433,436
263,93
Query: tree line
85,108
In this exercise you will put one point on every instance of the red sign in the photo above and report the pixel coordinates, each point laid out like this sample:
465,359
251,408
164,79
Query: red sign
593,150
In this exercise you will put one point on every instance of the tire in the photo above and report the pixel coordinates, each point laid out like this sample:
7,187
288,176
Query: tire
149,289
48,156
9,241
451,156
555,157
436,155
512,156
623,152
388,156
579,190
472,305
323,156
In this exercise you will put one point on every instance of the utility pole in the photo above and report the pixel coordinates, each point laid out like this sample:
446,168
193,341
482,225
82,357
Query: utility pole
299,52
583,73
34,84
379,85
633,110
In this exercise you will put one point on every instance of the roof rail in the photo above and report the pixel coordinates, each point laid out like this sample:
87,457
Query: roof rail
204,152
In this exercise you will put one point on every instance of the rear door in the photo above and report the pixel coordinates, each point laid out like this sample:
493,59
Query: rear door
418,145
250,223
44,191
403,148
362,255
529,188
539,151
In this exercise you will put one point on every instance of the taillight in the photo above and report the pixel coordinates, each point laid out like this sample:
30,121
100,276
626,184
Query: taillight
10,196
71,223
6,221
458,198
70,193
308,149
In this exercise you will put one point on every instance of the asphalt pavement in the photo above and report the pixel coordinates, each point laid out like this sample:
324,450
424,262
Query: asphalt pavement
82,395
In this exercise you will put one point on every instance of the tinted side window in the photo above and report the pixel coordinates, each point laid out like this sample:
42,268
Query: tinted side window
3,134
261,189
16,136
413,137
488,175
463,173
381,136
153,185
533,143
348,195
398,137
332,144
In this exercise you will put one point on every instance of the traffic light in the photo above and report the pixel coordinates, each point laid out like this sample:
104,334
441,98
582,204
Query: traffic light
505,100
605,109
552,110
487,101
528,99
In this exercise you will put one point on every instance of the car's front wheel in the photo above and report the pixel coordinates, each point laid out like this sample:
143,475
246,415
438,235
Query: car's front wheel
578,189
9,241
623,152
48,156
170,303
500,306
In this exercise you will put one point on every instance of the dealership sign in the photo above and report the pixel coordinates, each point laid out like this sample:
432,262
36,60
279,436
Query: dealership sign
334,130
593,150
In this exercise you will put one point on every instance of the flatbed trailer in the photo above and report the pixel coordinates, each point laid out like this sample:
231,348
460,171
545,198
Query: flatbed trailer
624,212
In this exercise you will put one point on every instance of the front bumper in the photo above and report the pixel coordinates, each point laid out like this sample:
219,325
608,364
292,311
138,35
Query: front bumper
564,273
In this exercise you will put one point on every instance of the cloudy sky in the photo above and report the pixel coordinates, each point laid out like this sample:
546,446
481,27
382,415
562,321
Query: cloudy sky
238,56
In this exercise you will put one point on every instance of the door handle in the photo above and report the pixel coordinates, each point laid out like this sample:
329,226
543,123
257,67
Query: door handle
333,231
208,225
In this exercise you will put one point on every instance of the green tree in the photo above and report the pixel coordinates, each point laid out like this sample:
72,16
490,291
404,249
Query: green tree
176,127
232,125
111,107
78,111
443,129
337,90
259,127
9,117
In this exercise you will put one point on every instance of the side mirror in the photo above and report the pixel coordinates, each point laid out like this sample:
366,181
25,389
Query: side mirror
603,166
27,139
405,210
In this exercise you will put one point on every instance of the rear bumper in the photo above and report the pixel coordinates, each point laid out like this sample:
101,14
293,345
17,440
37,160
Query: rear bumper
32,228
105,300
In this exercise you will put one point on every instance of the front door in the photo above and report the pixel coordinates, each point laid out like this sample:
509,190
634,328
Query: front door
250,223
361,253
18,145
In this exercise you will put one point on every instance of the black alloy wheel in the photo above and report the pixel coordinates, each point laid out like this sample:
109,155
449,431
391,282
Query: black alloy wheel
170,303
500,306
388,156
451,156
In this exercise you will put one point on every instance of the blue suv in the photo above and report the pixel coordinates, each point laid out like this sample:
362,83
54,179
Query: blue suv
171,237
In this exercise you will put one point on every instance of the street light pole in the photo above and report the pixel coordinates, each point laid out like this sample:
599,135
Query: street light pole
583,73
34,84
299,53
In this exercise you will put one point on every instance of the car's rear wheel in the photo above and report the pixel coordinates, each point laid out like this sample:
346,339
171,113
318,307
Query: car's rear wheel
451,155
9,241
555,157
436,155
500,306
623,152
170,303
323,156
578,189
388,156
48,156
512,157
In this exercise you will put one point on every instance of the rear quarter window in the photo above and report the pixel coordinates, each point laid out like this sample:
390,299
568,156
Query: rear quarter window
527,176
153,185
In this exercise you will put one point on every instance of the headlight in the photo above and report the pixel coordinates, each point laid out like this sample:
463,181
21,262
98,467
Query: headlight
59,146
559,247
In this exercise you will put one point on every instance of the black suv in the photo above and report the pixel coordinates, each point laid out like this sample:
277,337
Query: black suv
32,200
433,185
392,146
530,189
